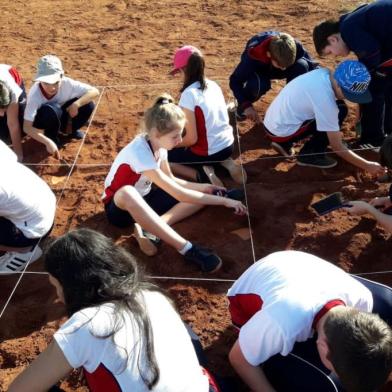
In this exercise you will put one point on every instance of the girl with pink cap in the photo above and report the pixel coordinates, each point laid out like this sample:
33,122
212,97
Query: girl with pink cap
209,136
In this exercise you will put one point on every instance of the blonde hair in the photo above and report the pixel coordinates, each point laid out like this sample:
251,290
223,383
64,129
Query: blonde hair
283,49
5,95
164,115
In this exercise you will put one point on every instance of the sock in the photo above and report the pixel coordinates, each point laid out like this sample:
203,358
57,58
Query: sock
186,247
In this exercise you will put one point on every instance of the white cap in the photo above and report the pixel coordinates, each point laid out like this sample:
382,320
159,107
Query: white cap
49,69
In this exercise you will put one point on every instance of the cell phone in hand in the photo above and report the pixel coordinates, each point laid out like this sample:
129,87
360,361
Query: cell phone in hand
329,203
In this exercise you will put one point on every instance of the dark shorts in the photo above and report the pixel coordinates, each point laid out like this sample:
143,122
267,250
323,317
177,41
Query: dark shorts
157,199
185,155
11,236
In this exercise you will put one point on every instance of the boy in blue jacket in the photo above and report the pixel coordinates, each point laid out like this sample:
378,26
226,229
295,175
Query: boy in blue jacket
268,55
367,32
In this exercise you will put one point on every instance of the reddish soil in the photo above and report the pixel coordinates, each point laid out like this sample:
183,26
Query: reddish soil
127,46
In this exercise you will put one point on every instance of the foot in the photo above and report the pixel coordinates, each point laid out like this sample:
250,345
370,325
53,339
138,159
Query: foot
281,149
236,173
12,262
145,244
204,258
212,177
239,115
78,134
320,160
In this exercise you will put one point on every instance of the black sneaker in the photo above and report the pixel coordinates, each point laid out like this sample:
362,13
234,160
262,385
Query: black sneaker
204,258
320,160
240,116
280,148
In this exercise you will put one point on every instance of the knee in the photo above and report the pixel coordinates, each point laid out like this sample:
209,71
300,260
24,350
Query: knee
256,86
48,115
127,197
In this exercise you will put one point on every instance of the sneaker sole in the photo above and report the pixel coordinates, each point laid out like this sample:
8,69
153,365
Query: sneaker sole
217,268
145,245
280,150
318,166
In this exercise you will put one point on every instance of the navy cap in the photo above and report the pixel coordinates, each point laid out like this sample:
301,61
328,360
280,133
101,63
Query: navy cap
353,78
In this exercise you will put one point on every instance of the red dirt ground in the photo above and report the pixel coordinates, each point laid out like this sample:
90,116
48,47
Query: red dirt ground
127,46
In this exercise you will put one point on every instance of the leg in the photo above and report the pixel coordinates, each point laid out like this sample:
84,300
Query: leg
128,198
180,211
300,67
184,171
79,120
256,86
48,118
388,109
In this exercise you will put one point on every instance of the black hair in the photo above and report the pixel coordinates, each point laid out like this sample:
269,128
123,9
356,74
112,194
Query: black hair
194,71
386,152
92,271
321,33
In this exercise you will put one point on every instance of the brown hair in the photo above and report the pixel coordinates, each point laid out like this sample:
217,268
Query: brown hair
164,115
5,95
321,33
359,348
283,49
194,71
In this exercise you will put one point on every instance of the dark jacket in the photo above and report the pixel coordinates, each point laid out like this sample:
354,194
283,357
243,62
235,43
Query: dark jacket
367,31
255,59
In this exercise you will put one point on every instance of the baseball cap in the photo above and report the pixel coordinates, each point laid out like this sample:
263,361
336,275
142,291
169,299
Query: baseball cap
353,78
181,57
49,69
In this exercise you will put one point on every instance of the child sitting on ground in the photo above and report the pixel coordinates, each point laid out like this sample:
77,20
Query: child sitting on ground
130,199
56,104
209,136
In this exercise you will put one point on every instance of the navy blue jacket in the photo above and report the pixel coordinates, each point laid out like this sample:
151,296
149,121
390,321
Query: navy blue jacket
367,31
255,59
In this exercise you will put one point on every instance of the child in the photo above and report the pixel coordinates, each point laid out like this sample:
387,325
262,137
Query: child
312,105
380,207
56,104
269,55
128,196
281,301
367,32
122,330
209,136
12,105
27,208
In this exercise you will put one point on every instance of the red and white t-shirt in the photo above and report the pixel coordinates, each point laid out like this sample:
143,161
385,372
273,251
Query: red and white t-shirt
129,165
214,133
68,89
279,299
10,76
105,360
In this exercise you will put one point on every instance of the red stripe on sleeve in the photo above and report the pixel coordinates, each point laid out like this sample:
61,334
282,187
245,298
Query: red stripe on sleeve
16,75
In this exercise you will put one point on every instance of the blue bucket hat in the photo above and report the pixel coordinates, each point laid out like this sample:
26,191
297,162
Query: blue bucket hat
353,78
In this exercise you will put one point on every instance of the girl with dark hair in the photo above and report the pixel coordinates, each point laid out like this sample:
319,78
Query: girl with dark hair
122,330
12,105
129,198
209,136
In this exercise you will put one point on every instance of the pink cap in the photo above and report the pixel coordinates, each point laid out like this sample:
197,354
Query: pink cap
181,57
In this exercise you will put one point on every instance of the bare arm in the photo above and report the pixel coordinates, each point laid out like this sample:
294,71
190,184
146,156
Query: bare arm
87,97
39,136
335,141
44,372
190,137
253,376
15,129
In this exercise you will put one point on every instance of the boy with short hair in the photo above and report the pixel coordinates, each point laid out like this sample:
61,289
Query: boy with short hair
283,300
312,105
56,103
367,32
269,55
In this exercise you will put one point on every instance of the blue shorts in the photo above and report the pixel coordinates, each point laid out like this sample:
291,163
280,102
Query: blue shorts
12,237
157,199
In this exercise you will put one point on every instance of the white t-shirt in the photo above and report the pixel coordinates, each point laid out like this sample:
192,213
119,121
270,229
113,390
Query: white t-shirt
69,89
6,154
281,296
26,200
307,97
104,361
129,165
6,77
214,133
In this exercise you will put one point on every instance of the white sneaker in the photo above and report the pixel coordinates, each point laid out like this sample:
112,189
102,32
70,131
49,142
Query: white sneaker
12,262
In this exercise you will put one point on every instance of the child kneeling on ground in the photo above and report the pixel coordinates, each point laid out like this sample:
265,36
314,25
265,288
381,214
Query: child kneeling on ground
129,197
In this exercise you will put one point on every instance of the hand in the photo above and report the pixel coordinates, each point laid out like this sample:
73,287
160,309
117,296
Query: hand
251,113
383,202
375,168
239,208
357,207
214,190
73,109
52,149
